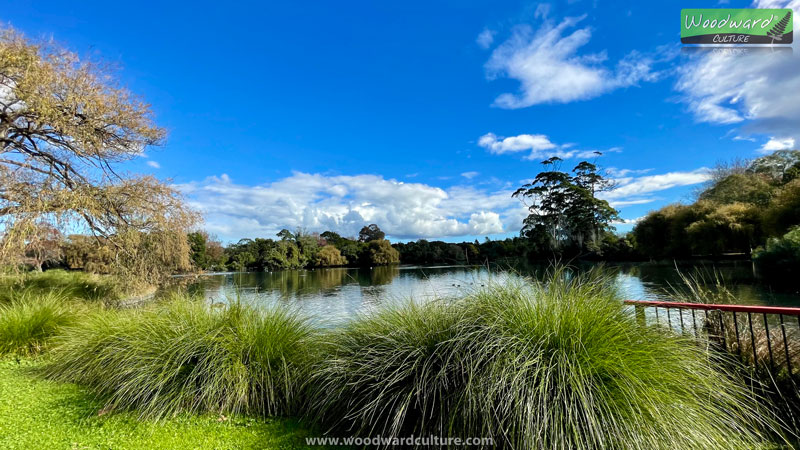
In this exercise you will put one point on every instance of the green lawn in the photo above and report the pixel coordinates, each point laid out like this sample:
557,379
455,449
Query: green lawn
40,414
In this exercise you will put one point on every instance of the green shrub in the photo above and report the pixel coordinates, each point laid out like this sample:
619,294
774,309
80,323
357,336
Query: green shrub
183,355
30,319
781,257
557,364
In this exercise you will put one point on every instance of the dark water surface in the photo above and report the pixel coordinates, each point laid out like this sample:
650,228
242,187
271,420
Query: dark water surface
335,295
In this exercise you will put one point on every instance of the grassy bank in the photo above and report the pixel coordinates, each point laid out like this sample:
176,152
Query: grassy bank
41,414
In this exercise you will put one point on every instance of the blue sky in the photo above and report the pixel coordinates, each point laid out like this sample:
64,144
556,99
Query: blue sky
423,117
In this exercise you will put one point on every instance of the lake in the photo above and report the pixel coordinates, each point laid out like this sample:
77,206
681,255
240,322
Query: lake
335,295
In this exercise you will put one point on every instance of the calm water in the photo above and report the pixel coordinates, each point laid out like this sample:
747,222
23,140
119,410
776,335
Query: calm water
334,295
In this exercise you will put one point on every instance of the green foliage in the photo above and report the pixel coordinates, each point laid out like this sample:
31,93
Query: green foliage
197,246
735,213
301,249
31,319
381,253
330,256
784,211
182,356
41,414
745,187
663,234
87,253
371,233
558,364
781,257
351,250
733,227
437,252
265,254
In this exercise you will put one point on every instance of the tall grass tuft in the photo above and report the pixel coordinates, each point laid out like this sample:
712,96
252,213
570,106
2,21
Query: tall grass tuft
30,319
184,356
394,373
554,364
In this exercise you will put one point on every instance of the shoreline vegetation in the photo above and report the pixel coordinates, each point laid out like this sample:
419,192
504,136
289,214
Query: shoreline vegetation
529,364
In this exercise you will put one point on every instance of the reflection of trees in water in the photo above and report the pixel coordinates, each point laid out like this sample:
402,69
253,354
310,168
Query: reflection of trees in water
293,282
373,281
376,276
383,274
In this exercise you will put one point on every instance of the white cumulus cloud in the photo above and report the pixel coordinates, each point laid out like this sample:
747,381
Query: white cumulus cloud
153,164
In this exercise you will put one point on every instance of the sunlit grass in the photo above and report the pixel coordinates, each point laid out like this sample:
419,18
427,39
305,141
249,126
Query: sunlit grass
40,414
30,319
79,285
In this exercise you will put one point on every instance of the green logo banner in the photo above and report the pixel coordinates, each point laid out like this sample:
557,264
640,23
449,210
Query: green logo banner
736,26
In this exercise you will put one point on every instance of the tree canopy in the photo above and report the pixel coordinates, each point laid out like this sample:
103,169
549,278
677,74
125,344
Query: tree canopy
565,207
65,126
371,232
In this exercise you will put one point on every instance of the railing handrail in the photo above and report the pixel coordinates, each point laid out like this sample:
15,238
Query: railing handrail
787,311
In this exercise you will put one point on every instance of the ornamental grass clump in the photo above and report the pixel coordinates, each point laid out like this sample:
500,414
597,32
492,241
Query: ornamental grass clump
184,356
28,320
394,373
554,364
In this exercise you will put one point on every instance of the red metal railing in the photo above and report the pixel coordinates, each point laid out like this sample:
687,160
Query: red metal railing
725,329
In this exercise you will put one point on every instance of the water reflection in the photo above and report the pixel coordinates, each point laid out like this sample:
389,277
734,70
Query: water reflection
335,295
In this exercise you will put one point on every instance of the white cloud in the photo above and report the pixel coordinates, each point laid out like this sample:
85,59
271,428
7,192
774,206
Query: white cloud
485,222
346,203
511,144
550,70
485,38
751,87
639,190
153,164
470,175
539,145
777,144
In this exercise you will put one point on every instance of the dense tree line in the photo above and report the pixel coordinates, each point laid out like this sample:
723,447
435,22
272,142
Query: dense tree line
742,206
295,250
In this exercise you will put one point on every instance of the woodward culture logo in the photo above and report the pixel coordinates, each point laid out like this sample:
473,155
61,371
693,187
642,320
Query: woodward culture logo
736,26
